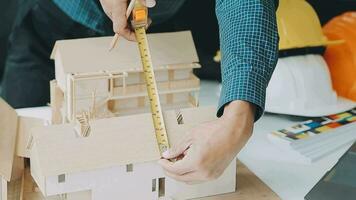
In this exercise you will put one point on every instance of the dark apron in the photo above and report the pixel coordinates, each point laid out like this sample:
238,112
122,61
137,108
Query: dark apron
28,68
164,10
24,6
8,10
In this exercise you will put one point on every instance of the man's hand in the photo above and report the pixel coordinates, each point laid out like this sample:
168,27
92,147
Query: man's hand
116,11
209,148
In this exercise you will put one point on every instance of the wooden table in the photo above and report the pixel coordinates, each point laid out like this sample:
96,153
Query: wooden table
249,186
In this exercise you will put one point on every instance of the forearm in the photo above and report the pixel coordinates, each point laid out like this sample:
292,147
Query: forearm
237,108
249,46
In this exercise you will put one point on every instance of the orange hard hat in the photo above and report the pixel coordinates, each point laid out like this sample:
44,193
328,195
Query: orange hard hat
341,58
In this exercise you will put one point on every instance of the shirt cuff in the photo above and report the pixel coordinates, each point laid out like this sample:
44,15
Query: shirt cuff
247,86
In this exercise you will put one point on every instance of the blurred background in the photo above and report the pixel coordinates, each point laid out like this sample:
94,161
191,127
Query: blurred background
207,44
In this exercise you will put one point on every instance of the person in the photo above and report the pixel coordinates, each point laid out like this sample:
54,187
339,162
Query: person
249,48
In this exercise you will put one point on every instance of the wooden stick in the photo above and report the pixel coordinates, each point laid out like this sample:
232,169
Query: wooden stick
22,185
116,36
93,105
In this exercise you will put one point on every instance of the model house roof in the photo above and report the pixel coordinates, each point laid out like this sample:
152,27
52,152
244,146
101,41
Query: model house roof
112,141
8,132
92,54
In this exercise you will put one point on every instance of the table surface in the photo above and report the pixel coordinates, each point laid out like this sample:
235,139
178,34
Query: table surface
287,179
248,186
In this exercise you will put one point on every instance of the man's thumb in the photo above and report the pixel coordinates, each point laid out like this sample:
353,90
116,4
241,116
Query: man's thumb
176,151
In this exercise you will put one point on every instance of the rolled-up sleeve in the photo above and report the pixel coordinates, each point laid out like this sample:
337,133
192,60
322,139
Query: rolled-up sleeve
249,49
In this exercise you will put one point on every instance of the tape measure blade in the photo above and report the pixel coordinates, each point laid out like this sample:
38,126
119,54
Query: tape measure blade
156,110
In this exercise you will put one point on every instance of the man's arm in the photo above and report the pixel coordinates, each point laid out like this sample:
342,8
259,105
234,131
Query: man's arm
249,46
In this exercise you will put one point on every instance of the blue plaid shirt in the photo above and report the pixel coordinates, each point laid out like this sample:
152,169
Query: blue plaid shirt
248,37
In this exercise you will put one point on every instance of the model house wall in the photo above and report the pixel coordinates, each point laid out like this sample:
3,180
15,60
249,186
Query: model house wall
26,189
118,158
3,188
8,132
145,181
88,74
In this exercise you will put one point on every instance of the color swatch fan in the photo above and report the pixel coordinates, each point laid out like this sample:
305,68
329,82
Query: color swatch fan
318,137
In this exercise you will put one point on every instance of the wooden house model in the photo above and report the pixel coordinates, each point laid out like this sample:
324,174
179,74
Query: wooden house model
87,75
101,144
117,160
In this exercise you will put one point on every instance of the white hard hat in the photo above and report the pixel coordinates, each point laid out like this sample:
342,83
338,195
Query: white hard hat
301,85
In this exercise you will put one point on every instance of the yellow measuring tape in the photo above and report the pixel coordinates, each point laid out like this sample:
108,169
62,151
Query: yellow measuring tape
139,22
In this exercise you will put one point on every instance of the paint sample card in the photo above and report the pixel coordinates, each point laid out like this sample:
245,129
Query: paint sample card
316,126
